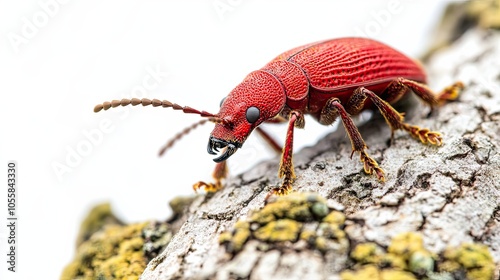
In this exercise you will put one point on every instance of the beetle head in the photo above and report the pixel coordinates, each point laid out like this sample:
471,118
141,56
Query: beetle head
258,98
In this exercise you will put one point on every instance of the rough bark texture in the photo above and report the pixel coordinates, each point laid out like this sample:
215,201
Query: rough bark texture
449,194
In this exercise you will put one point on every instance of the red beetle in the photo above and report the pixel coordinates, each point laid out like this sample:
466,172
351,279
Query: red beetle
328,79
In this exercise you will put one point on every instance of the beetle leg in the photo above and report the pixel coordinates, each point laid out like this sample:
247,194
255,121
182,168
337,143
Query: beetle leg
426,94
451,92
396,89
269,140
355,103
286,170
277,119
220,172
396,120
400,85
330,112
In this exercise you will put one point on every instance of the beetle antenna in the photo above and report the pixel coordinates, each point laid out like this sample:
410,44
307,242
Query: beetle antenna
184,132
156,103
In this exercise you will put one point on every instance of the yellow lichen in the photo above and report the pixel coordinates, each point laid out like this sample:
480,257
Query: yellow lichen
98,216
296,206
282,220
308,235
278,231
330,237
475,259
235,240
409,247
394,261
299,213
225,237
335,217
367,253
408,259
405,244
321,243
371,253
372,272
390,274
485,12
271,212
112,253
331,231
366,272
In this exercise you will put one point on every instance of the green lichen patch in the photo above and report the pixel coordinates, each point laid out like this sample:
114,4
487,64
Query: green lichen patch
421,262
299,216
115,252
407,258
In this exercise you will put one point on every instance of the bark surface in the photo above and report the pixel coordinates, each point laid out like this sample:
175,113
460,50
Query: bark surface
449,194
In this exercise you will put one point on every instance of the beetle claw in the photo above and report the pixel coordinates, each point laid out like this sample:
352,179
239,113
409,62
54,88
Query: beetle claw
424,135
371,166
209,187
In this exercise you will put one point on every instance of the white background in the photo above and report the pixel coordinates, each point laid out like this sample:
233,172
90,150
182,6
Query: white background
86,52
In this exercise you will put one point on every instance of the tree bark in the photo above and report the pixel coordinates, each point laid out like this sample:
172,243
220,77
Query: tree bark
449,194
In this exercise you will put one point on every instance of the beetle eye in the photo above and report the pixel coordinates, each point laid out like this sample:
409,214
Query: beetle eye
253,114
222,101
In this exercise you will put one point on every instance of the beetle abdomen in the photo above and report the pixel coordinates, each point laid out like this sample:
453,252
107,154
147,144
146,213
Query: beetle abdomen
340,63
